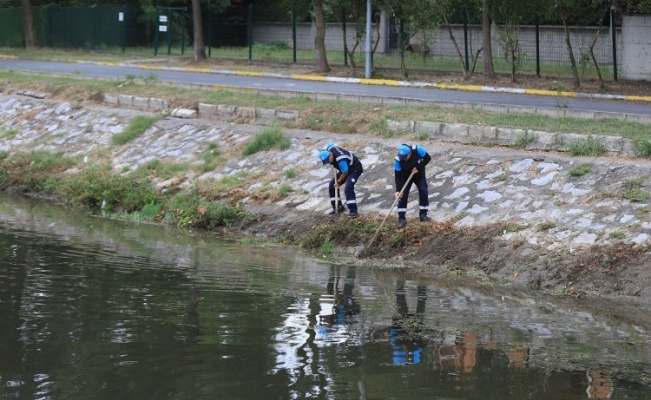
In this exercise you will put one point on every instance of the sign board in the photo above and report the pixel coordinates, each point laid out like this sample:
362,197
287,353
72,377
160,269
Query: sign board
120,16
162,18
162,28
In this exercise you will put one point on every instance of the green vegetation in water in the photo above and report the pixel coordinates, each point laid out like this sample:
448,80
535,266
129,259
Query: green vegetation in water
130,195
137,127
268,139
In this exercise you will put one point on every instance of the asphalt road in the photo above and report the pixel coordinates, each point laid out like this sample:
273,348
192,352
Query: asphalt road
432,94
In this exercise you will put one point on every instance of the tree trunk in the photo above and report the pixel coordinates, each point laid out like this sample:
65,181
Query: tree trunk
197,30
28,23
319,38
575,71
489,71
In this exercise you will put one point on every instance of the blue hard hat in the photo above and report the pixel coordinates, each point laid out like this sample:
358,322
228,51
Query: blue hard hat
403,151
324,155
329,145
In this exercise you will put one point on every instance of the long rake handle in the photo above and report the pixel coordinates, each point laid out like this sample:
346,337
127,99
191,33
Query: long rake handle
392,206
334,170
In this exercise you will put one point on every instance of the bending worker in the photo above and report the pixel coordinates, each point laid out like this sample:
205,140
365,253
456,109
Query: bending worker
349,169
410,159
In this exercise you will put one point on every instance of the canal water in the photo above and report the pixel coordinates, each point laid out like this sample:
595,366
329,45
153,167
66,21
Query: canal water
92,308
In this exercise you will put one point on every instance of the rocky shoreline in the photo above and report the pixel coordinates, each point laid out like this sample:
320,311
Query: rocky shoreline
539,219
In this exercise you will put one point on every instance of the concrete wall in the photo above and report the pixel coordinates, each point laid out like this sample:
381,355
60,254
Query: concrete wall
269,32
636,47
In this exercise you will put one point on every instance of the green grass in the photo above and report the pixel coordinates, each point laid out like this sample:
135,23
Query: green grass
137,127
580,170
586,147
290,173
268,139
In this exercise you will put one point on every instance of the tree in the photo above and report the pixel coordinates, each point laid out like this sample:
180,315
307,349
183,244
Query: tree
197,28
319,38
28,24
489,71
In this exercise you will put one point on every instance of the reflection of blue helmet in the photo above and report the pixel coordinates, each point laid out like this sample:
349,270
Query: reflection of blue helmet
329,145
324,155
403,151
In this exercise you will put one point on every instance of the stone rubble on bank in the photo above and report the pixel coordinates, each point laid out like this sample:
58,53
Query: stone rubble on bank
472,185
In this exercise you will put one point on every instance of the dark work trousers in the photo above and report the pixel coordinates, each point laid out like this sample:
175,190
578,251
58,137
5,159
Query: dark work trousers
423,198
349,191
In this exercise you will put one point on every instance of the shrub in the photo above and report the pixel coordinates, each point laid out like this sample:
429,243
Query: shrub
580,170
642,147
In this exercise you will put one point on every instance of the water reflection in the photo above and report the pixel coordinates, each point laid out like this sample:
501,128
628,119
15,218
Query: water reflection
98,309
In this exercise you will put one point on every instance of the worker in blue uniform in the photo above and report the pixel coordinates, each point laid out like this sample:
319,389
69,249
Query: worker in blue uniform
349,169
411,158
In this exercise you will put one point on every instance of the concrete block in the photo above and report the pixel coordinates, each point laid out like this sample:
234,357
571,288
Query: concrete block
125,100
496,108
207,110
184,113
628,148
509,137
247,113
456,133
287,115
613,144
400,126
483,134
351,98
549,112
420,103
326,96
227,111
111,99
158,105
371,99
140,103
542,140
433,129
396,101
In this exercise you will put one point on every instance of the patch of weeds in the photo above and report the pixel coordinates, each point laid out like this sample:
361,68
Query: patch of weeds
422,135
97,187
290,173
88,129
643,213
38,171
10,134
500,178
636,227
511,227
521,141
136,127
327,246
634,182
580,170
558,203
586,147
163,170
547,225
560,102
381,128
642,146
461,215
284,189
340,124
617,235
210,157
3,154
190,210
268,139
636,195
315,123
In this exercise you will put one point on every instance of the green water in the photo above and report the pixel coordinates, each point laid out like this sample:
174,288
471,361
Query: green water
98,309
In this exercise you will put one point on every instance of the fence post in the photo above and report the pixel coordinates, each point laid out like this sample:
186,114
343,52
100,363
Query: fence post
184,12
210,32
249,32
294,30
343,19
537,48
613,34
123,20
156,31
465,36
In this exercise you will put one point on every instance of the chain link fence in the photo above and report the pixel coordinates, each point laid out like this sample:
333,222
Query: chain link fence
285,35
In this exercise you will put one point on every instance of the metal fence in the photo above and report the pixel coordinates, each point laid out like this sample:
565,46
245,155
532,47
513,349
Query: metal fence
244,33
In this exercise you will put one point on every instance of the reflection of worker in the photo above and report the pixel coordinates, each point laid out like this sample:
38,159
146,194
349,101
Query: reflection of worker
344,305
405,338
